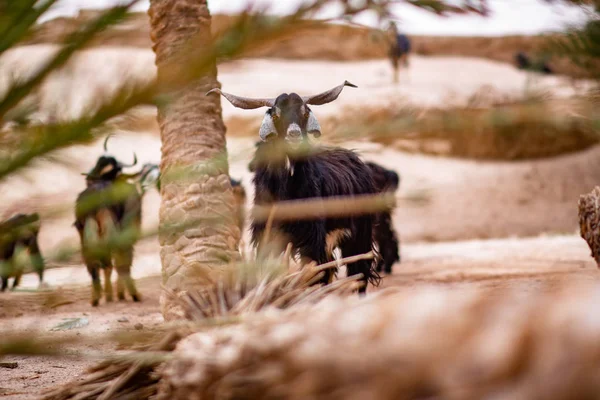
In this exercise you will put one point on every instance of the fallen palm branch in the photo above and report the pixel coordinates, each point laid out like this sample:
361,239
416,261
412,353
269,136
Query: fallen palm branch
238,293
424,343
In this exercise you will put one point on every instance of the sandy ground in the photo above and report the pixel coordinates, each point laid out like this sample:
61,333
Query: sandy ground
447,207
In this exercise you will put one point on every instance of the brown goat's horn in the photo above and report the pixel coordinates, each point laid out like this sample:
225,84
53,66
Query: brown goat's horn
135,160
246,103
328,96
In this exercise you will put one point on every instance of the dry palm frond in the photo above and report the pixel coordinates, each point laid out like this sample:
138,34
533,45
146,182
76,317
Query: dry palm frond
424,343
237,292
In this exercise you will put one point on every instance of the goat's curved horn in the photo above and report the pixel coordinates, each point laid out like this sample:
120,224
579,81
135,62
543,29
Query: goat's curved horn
328,96
106,142
135,160
246,103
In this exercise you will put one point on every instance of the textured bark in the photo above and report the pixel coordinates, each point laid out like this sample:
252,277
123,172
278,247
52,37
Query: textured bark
589,221
193,138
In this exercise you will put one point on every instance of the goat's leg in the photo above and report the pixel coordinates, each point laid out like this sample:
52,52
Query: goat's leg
96,286
36,258
4,283
17,280
387,242
360,242
390,253
123,261
120,288
108,289
395,67
316,251
94,264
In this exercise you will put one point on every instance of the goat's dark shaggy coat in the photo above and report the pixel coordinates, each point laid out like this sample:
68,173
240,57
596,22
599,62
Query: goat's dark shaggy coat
21,230
100,212
385,236
321,172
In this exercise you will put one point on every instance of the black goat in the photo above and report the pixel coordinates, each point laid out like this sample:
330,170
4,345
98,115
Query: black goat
386,181
111,205
19,232
287,167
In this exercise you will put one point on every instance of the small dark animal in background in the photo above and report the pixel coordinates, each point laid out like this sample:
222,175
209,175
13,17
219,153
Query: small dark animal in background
239,194
386,238
288,167
111,204
399,49
19,232
523,61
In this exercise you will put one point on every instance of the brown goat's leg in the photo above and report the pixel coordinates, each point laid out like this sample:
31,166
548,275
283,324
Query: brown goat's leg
108,289
120,288
96,286
123,260
4,283
130,284
17,280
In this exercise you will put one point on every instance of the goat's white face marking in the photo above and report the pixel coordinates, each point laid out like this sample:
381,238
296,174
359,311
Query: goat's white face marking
106,169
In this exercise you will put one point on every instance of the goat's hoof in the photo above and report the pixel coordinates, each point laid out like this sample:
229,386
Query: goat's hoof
95,303
121,296
109,299
136,297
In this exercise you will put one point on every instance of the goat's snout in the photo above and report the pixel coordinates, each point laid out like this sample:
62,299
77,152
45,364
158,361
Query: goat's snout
294,132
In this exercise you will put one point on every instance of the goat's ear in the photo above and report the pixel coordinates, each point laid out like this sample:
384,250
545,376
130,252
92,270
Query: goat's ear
312,125
267,128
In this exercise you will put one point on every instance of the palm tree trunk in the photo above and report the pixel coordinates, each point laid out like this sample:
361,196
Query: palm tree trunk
193,139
